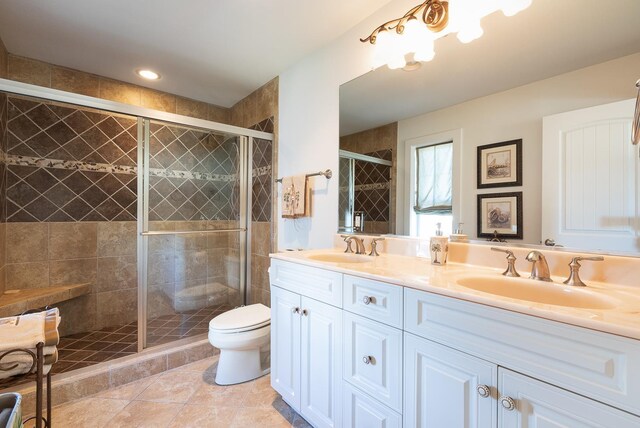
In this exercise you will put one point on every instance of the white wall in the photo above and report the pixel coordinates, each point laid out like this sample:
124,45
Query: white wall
513,114
308,126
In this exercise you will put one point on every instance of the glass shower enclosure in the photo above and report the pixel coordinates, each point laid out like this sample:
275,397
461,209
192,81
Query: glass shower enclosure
193,229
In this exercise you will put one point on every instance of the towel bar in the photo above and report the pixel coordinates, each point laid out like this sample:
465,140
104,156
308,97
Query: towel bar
327,174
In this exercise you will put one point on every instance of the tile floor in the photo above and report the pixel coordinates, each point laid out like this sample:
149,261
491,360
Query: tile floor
183,397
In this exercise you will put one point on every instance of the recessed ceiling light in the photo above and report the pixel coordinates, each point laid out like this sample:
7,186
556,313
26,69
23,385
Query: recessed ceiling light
147,74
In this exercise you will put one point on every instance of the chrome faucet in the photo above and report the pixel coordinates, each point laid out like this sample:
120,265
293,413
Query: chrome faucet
574,277
359,244
540,268
511,263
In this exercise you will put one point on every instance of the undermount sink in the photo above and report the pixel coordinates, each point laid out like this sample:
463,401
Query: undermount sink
340,258
538,291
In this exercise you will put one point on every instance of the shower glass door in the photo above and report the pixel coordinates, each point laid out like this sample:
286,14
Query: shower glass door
193,228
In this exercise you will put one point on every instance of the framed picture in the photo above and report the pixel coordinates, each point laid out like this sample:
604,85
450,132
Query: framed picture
500,164
501,214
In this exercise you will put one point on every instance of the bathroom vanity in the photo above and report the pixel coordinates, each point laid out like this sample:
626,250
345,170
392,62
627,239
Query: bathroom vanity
393,341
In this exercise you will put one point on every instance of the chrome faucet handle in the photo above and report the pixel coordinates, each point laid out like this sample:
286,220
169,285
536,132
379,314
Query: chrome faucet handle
540,268
347,239
574,266
374,246
511,263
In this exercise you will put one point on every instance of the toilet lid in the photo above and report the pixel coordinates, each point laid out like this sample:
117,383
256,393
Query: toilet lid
245,317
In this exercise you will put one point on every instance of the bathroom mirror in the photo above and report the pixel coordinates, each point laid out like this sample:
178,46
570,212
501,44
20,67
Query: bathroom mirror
547,60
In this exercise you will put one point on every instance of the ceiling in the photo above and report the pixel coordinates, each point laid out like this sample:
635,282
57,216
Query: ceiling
210,50
549,38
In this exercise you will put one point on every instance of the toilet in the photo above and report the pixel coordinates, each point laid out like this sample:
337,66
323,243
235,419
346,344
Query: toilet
242,335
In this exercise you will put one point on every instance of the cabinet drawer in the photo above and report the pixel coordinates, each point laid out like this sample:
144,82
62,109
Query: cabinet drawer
373,359
372,299
598,365
362,411
319,284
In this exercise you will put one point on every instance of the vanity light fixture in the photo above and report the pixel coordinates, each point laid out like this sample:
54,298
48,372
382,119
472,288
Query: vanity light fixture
416,31
147,74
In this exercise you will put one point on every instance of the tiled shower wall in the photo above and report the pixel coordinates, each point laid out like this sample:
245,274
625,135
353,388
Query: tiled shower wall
71,209
3,183
377,142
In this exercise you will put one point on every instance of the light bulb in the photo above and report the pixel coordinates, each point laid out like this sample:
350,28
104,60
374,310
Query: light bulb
426,52
383,48
511,7
470,32
147,74
414,35
397,61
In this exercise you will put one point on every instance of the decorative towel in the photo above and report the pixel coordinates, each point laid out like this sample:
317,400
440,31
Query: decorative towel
26,331
296,197
21,362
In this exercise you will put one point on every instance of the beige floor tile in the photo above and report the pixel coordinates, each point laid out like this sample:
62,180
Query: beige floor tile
198,416
142,414
128,391
216,395
88,412
259,417
261,398
262,383
173,387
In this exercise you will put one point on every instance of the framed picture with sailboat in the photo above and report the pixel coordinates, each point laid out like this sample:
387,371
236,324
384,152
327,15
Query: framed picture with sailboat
500,164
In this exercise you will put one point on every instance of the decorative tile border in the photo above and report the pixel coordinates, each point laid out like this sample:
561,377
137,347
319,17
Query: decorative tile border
259,172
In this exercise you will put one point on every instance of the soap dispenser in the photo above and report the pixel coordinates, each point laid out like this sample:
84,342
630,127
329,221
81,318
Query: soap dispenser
458,235
439,247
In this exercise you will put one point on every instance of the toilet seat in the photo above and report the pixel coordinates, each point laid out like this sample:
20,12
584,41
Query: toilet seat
242,319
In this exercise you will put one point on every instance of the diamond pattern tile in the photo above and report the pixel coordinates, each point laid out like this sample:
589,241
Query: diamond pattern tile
55,188
266,125
3,151
262,183
203,169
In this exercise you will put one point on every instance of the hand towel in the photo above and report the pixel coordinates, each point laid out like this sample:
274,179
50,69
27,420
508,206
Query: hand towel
287,197
26,331
20,362
299,195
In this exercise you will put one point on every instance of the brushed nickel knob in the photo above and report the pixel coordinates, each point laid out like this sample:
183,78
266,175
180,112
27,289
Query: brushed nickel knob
367,359
305,312
295,310
507,403
483,391
366,300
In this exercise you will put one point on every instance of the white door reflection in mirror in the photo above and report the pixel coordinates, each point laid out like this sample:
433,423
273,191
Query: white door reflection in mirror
590,186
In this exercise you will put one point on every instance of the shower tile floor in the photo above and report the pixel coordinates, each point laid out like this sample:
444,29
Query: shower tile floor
92,347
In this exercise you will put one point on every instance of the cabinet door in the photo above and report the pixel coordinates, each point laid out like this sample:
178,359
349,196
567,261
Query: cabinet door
285,345
538,404
321,360
362,411
441,387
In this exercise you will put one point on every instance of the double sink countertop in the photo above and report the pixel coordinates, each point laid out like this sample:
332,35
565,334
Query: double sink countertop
605,307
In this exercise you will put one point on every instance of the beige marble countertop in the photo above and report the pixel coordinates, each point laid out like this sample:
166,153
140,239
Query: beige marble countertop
418,273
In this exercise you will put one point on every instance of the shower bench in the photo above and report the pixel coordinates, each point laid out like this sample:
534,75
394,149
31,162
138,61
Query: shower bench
14,302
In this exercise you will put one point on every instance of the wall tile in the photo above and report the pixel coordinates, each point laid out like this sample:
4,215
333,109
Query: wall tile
4,59
117,307
119,91
117,238
78,82
190,265
67,272
161,268
192,108
29,71
78,315
117,273
28,242
158,100
73,240
119,375
259,272
218,114
261,238
27,275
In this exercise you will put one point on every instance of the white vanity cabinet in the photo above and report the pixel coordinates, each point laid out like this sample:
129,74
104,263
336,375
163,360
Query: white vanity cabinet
306,342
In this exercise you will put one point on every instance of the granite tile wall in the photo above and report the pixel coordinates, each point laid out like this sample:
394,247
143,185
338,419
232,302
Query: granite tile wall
40,73
3,184
372,186
373,141
4,59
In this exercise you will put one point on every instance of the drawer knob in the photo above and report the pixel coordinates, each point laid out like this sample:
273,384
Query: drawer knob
483,391
367,299
368,359
507,403
305,312
295,310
